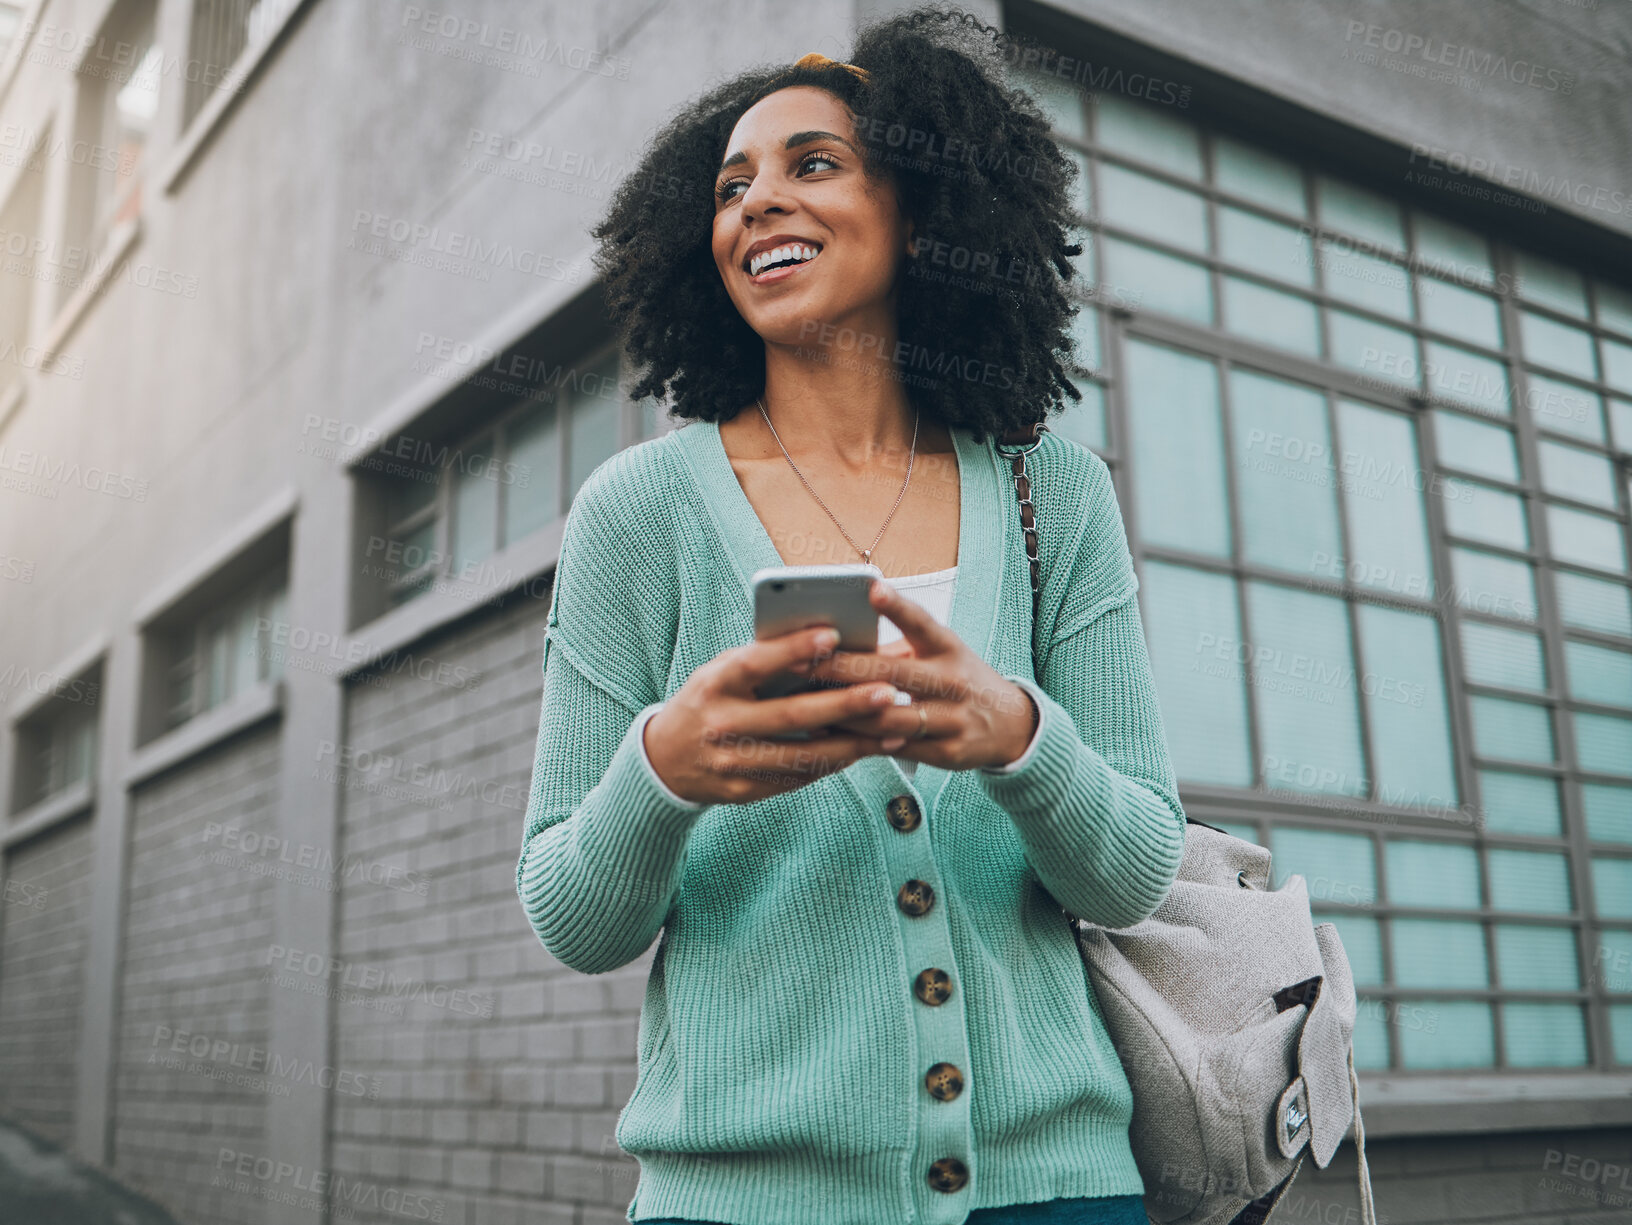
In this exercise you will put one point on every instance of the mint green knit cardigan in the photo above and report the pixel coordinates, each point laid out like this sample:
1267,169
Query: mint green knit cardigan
782,1049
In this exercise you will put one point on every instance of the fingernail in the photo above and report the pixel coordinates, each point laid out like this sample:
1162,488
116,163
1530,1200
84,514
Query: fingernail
828,638
903,697
886,695
893,743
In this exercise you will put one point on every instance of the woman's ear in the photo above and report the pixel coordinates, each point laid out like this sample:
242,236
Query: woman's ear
911,250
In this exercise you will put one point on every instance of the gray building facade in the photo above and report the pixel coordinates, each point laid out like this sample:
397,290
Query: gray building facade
302,359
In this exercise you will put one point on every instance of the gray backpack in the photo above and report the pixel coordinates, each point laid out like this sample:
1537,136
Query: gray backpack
1233,1016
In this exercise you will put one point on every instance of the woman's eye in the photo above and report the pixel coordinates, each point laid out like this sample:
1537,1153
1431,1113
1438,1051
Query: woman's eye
724,192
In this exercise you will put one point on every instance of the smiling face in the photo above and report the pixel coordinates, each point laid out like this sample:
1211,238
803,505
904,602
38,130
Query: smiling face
792,178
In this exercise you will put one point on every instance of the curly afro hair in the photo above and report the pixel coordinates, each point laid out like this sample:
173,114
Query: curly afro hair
983,315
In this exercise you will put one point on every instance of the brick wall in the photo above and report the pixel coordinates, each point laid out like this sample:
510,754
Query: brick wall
196,937
503,1118
43,929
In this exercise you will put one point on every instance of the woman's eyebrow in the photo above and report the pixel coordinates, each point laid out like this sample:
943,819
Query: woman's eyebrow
792,142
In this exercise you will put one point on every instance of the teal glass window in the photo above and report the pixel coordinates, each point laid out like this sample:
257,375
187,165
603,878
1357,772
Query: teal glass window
1536,882
1377,349
1458,1034
1620,416
533,499
1178,449
1302,677
1193,630
1166,284
1059,100
1255,174
1148,134
1475,446
1362,945
1585,476
1547,342
1520,803
1497,655
1533,958
1487,583
1338,869
1366,280
1584,538
1608,812
1084,422
1270,317
1466,314
1284,478
1612,887
1620,1026
1564,407
1603,743
1614,305
1085,337
1438,953
1544,1035
1452,251
1371,1034
1612,961
1151,206
1479,512
1593,603
1460,376
1404,689
1267,248
1440,875
1617,364
1365,214
475,506
1598,674
1381,479
1515,731
1550,283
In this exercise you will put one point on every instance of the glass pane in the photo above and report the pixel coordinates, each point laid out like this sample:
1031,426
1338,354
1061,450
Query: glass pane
1439,953
1544,1035
1491,584
1463,313
1585,476
533,497
1382,493
1284,481
407,495
593,423
1612,887
1059,100
1245,170
1365,280
1479,512
1083,266
1365,214
1598,674
1160,282
1475,446
1620,424
1193,631
1083,192
1564,407
1271,317
1614,306
1404,684
1534,881
1537,958
1145,205
1336,868
1268,248
1496,655
1444,875
1517,731
1584,538
1550,283
1550,343
1147,134
1362,944
1379,350
246,667
1371,1035
1177,449
1593,603
475,510
1467,378
1247,833
1520,803
1452,251
1617,364
1463,1036
1603,743
1084,331
1303,678
1608,811
1620,1026
1084,422
1612,961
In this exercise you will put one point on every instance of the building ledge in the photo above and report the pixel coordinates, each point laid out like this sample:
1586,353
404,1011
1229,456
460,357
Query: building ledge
114,251
205,731
1471,1103
53,810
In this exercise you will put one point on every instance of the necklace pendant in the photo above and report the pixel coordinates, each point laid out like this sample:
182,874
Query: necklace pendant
866,555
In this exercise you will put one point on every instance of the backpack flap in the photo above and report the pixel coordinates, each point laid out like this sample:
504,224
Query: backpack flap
1323,1050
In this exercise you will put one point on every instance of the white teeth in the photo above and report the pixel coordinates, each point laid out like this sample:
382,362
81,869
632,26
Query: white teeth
799,251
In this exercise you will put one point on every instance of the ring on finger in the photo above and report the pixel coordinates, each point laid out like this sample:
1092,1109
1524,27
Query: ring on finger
923,722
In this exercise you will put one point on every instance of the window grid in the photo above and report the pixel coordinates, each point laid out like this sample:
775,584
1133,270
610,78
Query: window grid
1413,398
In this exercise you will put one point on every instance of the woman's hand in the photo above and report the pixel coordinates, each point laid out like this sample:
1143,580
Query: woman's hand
711,741
976,716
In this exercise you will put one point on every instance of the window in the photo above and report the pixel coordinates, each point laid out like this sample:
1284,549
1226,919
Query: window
225,653
1377,468
19,219
457,504
56,745
119,94
220,32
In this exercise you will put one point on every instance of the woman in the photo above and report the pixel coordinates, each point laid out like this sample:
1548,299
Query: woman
866,1006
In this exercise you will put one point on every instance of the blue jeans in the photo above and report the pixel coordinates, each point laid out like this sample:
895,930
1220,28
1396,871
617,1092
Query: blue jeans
1102,1210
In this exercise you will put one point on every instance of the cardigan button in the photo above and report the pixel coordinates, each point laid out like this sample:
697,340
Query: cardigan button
915,898
933,986
948,1174
902,813
944,1082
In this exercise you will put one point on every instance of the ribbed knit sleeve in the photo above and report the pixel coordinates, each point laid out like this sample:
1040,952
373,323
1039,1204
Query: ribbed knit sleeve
604,845
1097,804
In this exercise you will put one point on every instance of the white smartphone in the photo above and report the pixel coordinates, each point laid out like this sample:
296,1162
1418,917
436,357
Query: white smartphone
788,598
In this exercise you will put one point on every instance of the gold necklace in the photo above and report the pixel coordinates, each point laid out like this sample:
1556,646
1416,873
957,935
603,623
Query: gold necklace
866,554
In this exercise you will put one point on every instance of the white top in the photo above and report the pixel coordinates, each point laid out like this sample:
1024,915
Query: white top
933,593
